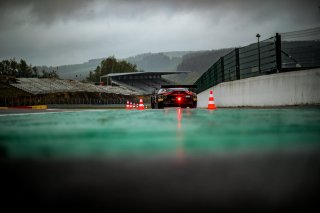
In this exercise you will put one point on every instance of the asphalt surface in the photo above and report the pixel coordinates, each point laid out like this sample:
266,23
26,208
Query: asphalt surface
169,160
280,181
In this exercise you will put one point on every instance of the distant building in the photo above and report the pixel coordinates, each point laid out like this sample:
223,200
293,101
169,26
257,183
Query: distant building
142,82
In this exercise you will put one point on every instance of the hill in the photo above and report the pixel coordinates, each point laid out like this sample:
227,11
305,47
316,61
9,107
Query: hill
195,61
165,61
74,71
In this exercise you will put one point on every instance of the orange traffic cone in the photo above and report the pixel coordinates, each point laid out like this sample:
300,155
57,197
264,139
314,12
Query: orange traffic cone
141,106
128,105
211,104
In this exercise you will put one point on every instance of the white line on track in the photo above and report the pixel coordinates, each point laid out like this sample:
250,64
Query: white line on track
39,113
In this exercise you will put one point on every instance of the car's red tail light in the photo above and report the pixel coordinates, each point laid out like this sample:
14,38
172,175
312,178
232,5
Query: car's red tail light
179,99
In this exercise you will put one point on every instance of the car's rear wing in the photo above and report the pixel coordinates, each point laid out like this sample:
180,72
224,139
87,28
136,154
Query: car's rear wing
179,86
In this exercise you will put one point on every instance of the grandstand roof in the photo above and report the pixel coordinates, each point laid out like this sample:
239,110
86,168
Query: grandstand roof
144,73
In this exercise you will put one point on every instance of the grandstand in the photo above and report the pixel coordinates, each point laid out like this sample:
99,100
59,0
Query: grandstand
37,91
138,83
37,86
142,82
123,87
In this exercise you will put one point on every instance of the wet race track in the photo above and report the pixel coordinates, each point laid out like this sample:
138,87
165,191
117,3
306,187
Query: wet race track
168,132
164,159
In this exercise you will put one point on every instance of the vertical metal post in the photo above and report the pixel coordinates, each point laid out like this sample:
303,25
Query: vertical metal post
259,56
278,52
222,69
237,63
259,59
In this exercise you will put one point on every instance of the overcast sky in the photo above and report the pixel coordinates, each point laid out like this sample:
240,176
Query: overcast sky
57,32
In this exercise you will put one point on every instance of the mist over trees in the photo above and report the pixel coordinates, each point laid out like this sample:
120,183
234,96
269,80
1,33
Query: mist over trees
22,70
201,61
111,65
165,61
154,62
197,63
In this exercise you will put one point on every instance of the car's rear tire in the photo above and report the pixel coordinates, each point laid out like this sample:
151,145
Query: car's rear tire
160,105
152,103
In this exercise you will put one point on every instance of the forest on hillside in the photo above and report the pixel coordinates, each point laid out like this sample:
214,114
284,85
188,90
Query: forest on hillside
197,63
74,71
202,60
111,65
157,61
21,69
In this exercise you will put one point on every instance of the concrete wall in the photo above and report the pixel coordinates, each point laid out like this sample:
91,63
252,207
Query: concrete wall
281,89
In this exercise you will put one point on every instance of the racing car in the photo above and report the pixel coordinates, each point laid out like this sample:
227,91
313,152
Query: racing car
174,96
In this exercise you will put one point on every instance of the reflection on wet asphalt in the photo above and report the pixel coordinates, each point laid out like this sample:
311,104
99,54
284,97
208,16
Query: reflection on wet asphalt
162,160
104,133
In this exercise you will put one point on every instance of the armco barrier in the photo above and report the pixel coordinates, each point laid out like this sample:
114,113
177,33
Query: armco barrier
40,107
27,107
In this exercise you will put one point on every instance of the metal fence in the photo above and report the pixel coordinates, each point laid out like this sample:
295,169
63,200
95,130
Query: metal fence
249,62
230,66
281,53
301,49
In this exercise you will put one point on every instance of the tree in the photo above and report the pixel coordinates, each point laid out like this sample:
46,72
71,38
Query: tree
111,65
24,70
35,72
6,68
50,74
13,67
2,70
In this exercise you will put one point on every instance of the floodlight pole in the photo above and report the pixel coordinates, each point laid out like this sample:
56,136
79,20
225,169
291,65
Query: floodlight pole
259,59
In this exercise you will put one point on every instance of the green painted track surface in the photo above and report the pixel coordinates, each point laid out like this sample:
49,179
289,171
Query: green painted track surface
168,132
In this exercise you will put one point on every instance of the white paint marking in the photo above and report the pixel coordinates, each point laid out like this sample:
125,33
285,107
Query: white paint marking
39,113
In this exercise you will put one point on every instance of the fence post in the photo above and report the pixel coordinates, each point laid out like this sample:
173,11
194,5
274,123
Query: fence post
222,69
237,63
278,52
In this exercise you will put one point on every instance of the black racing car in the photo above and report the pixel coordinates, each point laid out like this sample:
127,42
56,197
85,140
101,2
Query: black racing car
174,96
